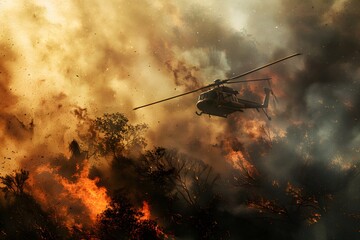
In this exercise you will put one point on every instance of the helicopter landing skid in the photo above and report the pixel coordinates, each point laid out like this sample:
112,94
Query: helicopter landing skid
199,114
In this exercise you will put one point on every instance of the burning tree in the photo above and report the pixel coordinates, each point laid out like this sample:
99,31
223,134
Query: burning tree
186,186
295,188
121,220
178,174
22,217
183,192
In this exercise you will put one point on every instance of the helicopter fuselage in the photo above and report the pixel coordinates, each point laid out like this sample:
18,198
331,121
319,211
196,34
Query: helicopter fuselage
222,101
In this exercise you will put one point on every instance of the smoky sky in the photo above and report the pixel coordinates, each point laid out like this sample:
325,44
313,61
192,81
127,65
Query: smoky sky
113,56
320,110
325,93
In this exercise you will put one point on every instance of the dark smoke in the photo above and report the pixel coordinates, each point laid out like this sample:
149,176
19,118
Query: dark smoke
244,177
319,153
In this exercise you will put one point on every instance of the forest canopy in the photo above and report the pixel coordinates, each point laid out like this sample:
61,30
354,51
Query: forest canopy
166,194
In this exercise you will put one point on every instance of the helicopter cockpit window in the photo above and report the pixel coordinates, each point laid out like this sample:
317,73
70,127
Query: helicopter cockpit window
208,95
212,95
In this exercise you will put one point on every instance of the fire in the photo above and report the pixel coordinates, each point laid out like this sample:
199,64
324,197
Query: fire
239,162
145,211
93,197
77,201
314,218
255,129
238,159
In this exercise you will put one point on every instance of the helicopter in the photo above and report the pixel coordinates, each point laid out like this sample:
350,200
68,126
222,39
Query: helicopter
222,101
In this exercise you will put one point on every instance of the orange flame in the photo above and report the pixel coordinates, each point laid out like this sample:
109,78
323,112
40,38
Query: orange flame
93,197
254,128
239,162
145,211
81,193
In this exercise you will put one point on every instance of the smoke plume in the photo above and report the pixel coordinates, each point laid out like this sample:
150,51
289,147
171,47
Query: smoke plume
64,64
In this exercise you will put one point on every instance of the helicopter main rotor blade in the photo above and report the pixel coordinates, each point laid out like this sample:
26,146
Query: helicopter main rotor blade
225,81
176,96
250,80
257,69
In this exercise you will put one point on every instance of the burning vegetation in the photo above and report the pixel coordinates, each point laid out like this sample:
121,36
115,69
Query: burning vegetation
69,171
166,194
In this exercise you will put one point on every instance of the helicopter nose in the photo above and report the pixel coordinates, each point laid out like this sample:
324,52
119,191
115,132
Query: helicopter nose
203,104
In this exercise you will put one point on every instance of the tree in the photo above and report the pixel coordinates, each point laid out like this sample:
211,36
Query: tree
115,135
191,179
14,184
296,188
186,186
75,149
121,220
23,217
